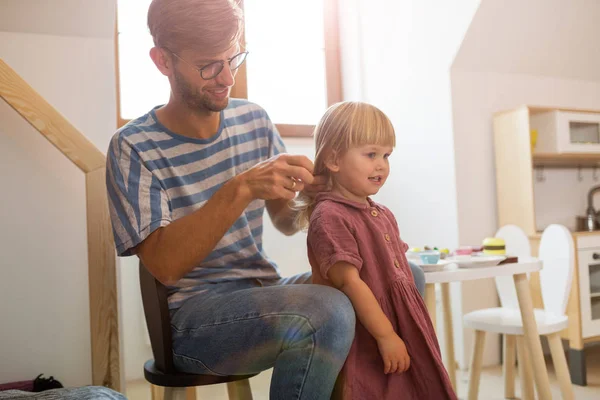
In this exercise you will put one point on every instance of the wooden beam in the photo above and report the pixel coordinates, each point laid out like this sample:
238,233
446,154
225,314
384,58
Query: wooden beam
288,130
240,88
49,122
514,188
333,63
104,321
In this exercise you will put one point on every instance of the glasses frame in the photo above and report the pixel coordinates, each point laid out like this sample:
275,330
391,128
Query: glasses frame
201,70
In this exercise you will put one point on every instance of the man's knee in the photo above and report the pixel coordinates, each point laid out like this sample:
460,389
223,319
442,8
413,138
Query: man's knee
419,277
337,316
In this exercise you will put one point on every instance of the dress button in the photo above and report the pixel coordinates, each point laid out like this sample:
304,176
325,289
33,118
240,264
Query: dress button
387,237
396,264
374,213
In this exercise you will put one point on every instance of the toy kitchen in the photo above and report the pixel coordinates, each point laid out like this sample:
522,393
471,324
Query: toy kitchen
548,172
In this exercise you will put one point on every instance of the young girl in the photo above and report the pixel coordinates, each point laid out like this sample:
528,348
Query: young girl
354,245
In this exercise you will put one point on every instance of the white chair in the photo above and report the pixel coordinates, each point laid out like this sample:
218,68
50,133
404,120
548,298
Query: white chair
557,254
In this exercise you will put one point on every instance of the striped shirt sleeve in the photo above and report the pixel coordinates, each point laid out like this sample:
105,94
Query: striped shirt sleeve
138,204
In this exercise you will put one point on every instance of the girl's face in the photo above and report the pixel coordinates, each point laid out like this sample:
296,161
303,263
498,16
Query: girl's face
361,171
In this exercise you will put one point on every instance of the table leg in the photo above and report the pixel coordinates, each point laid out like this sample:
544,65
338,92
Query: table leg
449,334
532,338
430,302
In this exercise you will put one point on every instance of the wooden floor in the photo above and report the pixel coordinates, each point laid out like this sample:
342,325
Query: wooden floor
491,387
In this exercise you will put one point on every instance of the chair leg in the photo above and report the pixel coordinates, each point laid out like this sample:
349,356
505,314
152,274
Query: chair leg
560,366
158,392
175,393
239,390
475,368
190,393
509,366
525,370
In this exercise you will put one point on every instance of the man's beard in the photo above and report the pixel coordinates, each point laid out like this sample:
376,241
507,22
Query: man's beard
195,100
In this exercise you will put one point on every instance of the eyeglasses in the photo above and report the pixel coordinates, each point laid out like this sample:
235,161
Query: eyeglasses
210,71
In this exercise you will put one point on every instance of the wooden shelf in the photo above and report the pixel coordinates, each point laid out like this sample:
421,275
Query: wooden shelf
563,160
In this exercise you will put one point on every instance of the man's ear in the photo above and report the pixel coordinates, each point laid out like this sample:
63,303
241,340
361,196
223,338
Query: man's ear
162,61
332,162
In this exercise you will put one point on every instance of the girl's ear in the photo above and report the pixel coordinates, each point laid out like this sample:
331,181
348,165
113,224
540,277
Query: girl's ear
332,162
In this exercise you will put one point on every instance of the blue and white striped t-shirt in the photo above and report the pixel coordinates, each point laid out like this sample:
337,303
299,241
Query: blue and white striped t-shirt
155,176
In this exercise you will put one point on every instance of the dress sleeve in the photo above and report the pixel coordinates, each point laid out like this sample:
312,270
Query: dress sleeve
332,240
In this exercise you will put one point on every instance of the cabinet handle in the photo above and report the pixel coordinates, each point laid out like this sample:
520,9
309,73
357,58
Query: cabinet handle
596,256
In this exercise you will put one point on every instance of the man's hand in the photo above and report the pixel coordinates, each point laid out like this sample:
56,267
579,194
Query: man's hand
279,177
319,184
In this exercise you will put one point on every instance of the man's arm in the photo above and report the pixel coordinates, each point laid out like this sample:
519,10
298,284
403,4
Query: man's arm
284,216
171,252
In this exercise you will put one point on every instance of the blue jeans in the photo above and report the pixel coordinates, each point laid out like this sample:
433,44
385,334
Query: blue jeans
419,277
248,326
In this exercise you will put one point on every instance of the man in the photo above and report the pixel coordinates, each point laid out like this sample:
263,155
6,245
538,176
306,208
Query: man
188,183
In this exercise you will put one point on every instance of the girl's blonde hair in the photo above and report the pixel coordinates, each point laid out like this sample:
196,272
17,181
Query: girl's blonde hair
207,26
343,126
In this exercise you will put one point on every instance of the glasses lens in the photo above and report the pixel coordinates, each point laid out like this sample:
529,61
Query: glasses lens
211,70
238,60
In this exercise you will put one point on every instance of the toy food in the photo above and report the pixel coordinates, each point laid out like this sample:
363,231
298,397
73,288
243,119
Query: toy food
494,246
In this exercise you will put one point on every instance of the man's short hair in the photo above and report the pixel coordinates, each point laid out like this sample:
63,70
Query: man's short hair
208,26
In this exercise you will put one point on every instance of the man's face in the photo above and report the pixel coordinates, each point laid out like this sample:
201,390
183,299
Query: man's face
200,94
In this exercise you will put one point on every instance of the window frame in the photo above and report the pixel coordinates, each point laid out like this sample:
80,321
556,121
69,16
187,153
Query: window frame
333,71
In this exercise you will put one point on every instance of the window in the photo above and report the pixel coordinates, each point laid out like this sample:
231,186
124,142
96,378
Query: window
293,69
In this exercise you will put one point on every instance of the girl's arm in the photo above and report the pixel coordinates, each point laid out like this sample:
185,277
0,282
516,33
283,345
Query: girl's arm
345,277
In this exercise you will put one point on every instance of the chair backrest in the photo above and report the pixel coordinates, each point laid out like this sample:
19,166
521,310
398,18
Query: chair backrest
557,252
158,320
517,244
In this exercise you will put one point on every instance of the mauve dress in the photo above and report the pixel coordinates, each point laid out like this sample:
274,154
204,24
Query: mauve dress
367,237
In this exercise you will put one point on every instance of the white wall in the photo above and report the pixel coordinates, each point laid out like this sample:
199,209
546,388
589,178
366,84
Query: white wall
43,239
43,270
517,53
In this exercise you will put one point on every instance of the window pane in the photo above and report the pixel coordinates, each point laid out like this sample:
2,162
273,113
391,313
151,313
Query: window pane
142,85
286,64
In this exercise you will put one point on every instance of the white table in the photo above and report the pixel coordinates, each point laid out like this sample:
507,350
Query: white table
452,273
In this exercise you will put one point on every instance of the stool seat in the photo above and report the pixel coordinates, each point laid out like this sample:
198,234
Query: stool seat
181,379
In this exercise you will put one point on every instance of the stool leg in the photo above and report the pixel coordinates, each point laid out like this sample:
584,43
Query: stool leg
560,366
475,369
175,393
525,370
239,390
509,366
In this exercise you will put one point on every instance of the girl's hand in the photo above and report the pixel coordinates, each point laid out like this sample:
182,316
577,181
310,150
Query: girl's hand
394,354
